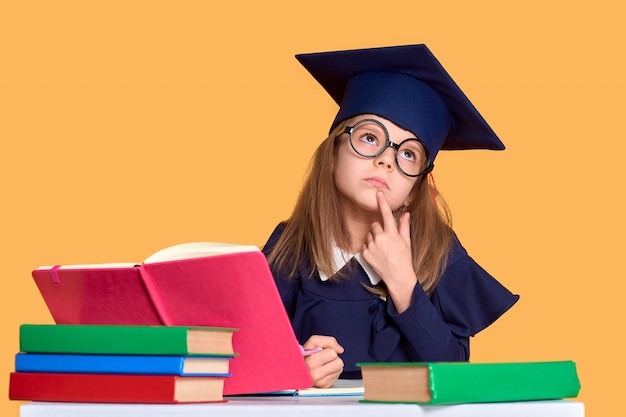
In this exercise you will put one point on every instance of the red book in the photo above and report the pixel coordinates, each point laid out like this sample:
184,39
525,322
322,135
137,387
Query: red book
112,388
224,290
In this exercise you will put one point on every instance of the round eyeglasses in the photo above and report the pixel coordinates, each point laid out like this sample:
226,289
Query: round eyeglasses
370,138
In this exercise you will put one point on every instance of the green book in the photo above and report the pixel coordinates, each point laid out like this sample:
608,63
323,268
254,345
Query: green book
465,382
127,340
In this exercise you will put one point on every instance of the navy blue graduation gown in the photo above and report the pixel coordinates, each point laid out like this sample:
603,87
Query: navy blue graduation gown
435,328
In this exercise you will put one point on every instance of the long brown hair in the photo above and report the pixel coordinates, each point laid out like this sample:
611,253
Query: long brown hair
316,219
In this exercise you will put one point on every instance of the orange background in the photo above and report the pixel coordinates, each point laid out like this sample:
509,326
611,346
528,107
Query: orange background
130,126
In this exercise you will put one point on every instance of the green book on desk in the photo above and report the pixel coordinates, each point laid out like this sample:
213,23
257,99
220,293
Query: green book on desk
464,382
126,339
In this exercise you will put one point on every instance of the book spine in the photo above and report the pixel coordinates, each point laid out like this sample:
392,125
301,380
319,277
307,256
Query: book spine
103,388
108,364
155,298
103,339
91,388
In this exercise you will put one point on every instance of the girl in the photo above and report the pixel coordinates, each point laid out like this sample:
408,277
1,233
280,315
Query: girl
368,266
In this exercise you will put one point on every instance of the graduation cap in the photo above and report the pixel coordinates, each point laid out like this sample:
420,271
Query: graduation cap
407,85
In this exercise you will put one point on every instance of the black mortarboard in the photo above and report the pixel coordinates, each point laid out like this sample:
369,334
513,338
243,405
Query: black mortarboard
407,85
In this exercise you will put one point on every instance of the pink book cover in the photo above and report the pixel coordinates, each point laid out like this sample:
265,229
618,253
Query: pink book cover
231,290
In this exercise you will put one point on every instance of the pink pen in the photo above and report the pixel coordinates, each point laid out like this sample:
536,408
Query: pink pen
307,352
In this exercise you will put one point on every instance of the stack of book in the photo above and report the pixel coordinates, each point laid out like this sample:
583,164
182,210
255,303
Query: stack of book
121,363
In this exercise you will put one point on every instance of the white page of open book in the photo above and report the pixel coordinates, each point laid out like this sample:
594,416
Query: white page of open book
181,251
198,249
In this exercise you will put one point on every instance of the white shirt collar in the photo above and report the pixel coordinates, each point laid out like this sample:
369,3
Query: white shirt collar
341,258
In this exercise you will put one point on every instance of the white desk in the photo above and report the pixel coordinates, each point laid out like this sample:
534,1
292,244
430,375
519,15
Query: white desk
304,407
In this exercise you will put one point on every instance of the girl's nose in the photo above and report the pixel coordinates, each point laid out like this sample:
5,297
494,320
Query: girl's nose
386,159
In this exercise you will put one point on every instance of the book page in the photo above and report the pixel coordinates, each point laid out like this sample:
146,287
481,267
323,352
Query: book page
339,388
181,251
197,250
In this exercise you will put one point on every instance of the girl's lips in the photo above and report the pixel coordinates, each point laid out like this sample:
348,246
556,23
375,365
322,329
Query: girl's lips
377,182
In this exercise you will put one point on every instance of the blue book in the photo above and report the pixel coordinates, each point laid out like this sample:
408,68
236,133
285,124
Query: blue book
123,364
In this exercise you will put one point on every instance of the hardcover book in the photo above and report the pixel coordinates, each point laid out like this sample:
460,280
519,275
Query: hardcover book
108,388
196,284
464,382
126,339
123,364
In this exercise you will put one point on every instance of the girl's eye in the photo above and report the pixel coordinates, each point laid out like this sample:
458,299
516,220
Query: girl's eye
410,151
370,139
408,154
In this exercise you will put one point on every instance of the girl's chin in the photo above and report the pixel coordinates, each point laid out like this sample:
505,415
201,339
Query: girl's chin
370,208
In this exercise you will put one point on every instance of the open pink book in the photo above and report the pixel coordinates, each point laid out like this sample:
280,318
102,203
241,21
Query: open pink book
194,284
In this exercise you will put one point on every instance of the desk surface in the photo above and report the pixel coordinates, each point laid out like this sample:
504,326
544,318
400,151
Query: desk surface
304,407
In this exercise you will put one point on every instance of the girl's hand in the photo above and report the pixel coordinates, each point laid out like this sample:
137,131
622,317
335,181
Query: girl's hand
387,250
324,366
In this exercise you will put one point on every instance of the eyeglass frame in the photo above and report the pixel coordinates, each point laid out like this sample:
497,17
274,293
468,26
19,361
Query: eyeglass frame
396,146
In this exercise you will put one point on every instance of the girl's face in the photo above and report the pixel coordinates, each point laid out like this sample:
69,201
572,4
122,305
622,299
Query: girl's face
358,178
